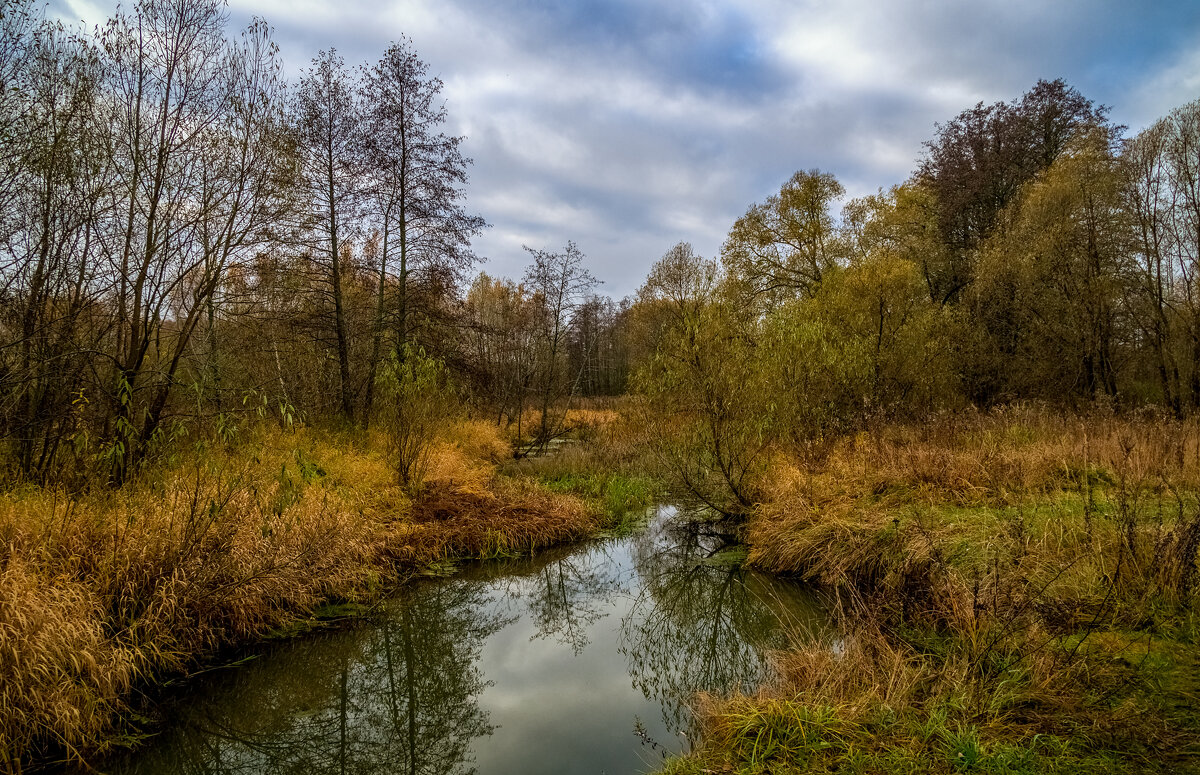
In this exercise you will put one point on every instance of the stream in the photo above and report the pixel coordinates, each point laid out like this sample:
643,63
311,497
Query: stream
578,660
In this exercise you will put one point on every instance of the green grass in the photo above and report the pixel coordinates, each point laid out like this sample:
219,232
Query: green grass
757,738
619,495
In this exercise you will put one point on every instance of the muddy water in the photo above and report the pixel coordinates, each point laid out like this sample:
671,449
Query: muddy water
580,660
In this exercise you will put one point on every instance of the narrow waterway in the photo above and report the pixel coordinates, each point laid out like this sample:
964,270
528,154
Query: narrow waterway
580,660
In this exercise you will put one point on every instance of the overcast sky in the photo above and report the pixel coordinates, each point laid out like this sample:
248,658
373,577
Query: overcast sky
630,125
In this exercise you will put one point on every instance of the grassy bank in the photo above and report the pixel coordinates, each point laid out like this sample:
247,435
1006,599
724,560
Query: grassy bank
1018,595
108,591
605,460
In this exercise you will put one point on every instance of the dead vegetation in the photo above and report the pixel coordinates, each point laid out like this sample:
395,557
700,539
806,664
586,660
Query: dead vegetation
1017,594
108,590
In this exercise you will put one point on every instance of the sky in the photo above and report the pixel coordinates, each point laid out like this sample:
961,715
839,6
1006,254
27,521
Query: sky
630,125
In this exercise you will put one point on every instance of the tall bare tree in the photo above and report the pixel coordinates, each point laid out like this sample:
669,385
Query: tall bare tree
416,173
328,125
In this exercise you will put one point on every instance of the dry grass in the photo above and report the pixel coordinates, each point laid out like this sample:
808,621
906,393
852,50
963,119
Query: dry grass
1018,588
106,591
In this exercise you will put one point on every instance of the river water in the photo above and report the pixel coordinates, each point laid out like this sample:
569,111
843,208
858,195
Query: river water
580,660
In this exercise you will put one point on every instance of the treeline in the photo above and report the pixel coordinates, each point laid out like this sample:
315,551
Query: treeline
185,236
1036,253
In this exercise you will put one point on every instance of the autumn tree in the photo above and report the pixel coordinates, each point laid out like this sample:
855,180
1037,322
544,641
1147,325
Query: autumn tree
51,279
194,166
1149,201
327,120
784,246
1053,286
979,161
559,283
1183,227
707,390
415,175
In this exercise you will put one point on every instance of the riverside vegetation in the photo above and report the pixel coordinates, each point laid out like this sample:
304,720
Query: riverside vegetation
1018,594
246,371
105,593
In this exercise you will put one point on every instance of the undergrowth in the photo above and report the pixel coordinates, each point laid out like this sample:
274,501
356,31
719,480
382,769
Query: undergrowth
107,591
1018,594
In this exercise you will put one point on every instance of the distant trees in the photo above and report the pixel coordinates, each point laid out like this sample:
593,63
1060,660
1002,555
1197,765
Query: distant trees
1032,255
538,344
559,283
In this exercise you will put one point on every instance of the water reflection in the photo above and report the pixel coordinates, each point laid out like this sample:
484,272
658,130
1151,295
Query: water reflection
565,591
542,665
400,696
700,621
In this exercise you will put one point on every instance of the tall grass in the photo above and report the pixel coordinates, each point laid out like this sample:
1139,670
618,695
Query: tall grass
105,591
1018,594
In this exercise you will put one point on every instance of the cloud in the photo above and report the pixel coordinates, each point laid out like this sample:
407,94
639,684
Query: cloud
627,126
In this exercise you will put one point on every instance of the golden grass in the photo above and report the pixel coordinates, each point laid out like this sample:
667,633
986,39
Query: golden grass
1020,574
107,590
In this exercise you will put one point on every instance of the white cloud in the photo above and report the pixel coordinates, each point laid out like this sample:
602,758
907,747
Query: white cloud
627,126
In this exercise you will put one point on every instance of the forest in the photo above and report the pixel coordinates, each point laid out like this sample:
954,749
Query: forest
250,368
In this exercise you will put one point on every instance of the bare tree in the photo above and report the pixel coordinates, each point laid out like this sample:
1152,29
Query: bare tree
328,124
559,283
416,174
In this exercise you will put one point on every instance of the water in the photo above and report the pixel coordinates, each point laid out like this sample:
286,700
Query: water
577,661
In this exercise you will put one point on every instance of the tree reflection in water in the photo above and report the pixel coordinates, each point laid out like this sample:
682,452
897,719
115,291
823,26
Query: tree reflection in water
406,693
398,697
702,624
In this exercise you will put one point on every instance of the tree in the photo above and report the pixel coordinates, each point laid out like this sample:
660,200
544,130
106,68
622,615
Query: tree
708,391
327,120
56,192
784,246
416,176
559,283
1183,226
195,164
979,161
903,222
1149,202
1054,283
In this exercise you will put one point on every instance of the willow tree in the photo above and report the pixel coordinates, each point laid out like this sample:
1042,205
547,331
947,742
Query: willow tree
1060,274
709,391
783,247
981,159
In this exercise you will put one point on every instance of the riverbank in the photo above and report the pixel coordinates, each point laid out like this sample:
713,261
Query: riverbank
1019,596
107,592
